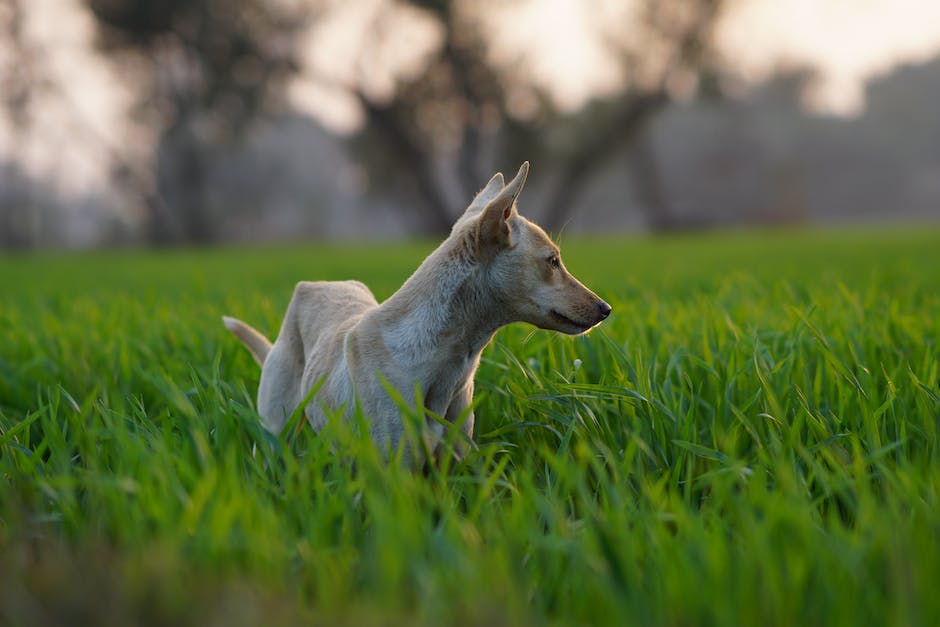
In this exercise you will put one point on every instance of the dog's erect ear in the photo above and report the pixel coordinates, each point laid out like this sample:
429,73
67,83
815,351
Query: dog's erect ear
488,193
518,182
493,226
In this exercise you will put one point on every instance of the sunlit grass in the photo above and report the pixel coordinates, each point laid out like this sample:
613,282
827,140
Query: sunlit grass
751,438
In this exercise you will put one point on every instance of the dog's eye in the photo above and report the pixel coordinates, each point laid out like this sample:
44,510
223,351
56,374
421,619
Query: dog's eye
554,261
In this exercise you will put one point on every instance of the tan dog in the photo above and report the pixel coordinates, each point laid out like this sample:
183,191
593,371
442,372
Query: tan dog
495,268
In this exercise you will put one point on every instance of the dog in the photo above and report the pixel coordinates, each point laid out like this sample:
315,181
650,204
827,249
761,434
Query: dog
495,268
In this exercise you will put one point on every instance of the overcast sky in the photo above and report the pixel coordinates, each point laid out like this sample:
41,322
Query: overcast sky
847,40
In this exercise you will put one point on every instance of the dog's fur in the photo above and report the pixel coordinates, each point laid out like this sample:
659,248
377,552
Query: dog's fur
496,267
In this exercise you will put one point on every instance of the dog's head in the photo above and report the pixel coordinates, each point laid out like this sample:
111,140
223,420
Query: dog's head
522,265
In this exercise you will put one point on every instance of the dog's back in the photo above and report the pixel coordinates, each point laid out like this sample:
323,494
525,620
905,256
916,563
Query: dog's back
309,345
318,310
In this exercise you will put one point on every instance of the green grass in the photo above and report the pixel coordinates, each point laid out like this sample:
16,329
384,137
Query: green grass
751,438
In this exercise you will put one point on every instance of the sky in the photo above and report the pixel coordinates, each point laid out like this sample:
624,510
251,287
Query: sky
848,41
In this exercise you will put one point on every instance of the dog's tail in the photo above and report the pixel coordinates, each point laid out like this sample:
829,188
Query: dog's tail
256,343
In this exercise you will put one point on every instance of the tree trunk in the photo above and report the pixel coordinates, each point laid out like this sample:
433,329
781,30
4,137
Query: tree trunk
180,213
193,212
648,185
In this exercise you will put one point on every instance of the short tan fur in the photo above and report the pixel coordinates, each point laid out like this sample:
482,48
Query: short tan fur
495,268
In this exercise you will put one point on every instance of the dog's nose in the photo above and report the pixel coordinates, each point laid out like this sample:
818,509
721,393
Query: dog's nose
603,310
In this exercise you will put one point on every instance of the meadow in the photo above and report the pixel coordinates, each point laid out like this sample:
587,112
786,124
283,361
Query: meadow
750,439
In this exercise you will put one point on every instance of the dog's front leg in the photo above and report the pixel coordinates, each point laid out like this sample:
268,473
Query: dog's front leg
459,410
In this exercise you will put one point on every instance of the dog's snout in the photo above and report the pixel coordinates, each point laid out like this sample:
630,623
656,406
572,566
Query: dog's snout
603,310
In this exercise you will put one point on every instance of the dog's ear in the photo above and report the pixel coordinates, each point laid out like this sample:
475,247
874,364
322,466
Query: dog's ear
488,193
518,182
493,226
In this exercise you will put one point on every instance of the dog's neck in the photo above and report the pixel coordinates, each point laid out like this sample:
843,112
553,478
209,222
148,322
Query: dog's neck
441,310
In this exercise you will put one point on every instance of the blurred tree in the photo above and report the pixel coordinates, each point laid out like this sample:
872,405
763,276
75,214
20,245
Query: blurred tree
210,68
450,125
21,76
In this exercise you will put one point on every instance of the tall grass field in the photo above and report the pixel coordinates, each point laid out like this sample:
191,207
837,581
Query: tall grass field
750,439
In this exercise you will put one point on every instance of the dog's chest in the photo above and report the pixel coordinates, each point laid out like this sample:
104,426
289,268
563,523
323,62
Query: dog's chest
443,379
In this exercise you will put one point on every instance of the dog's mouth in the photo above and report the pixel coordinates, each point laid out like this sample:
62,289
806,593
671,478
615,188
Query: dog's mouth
560,317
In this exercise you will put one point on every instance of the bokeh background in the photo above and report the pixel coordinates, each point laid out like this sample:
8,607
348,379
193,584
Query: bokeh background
183,122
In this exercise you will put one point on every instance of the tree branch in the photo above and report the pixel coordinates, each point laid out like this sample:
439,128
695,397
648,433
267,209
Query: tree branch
592,152
386,122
